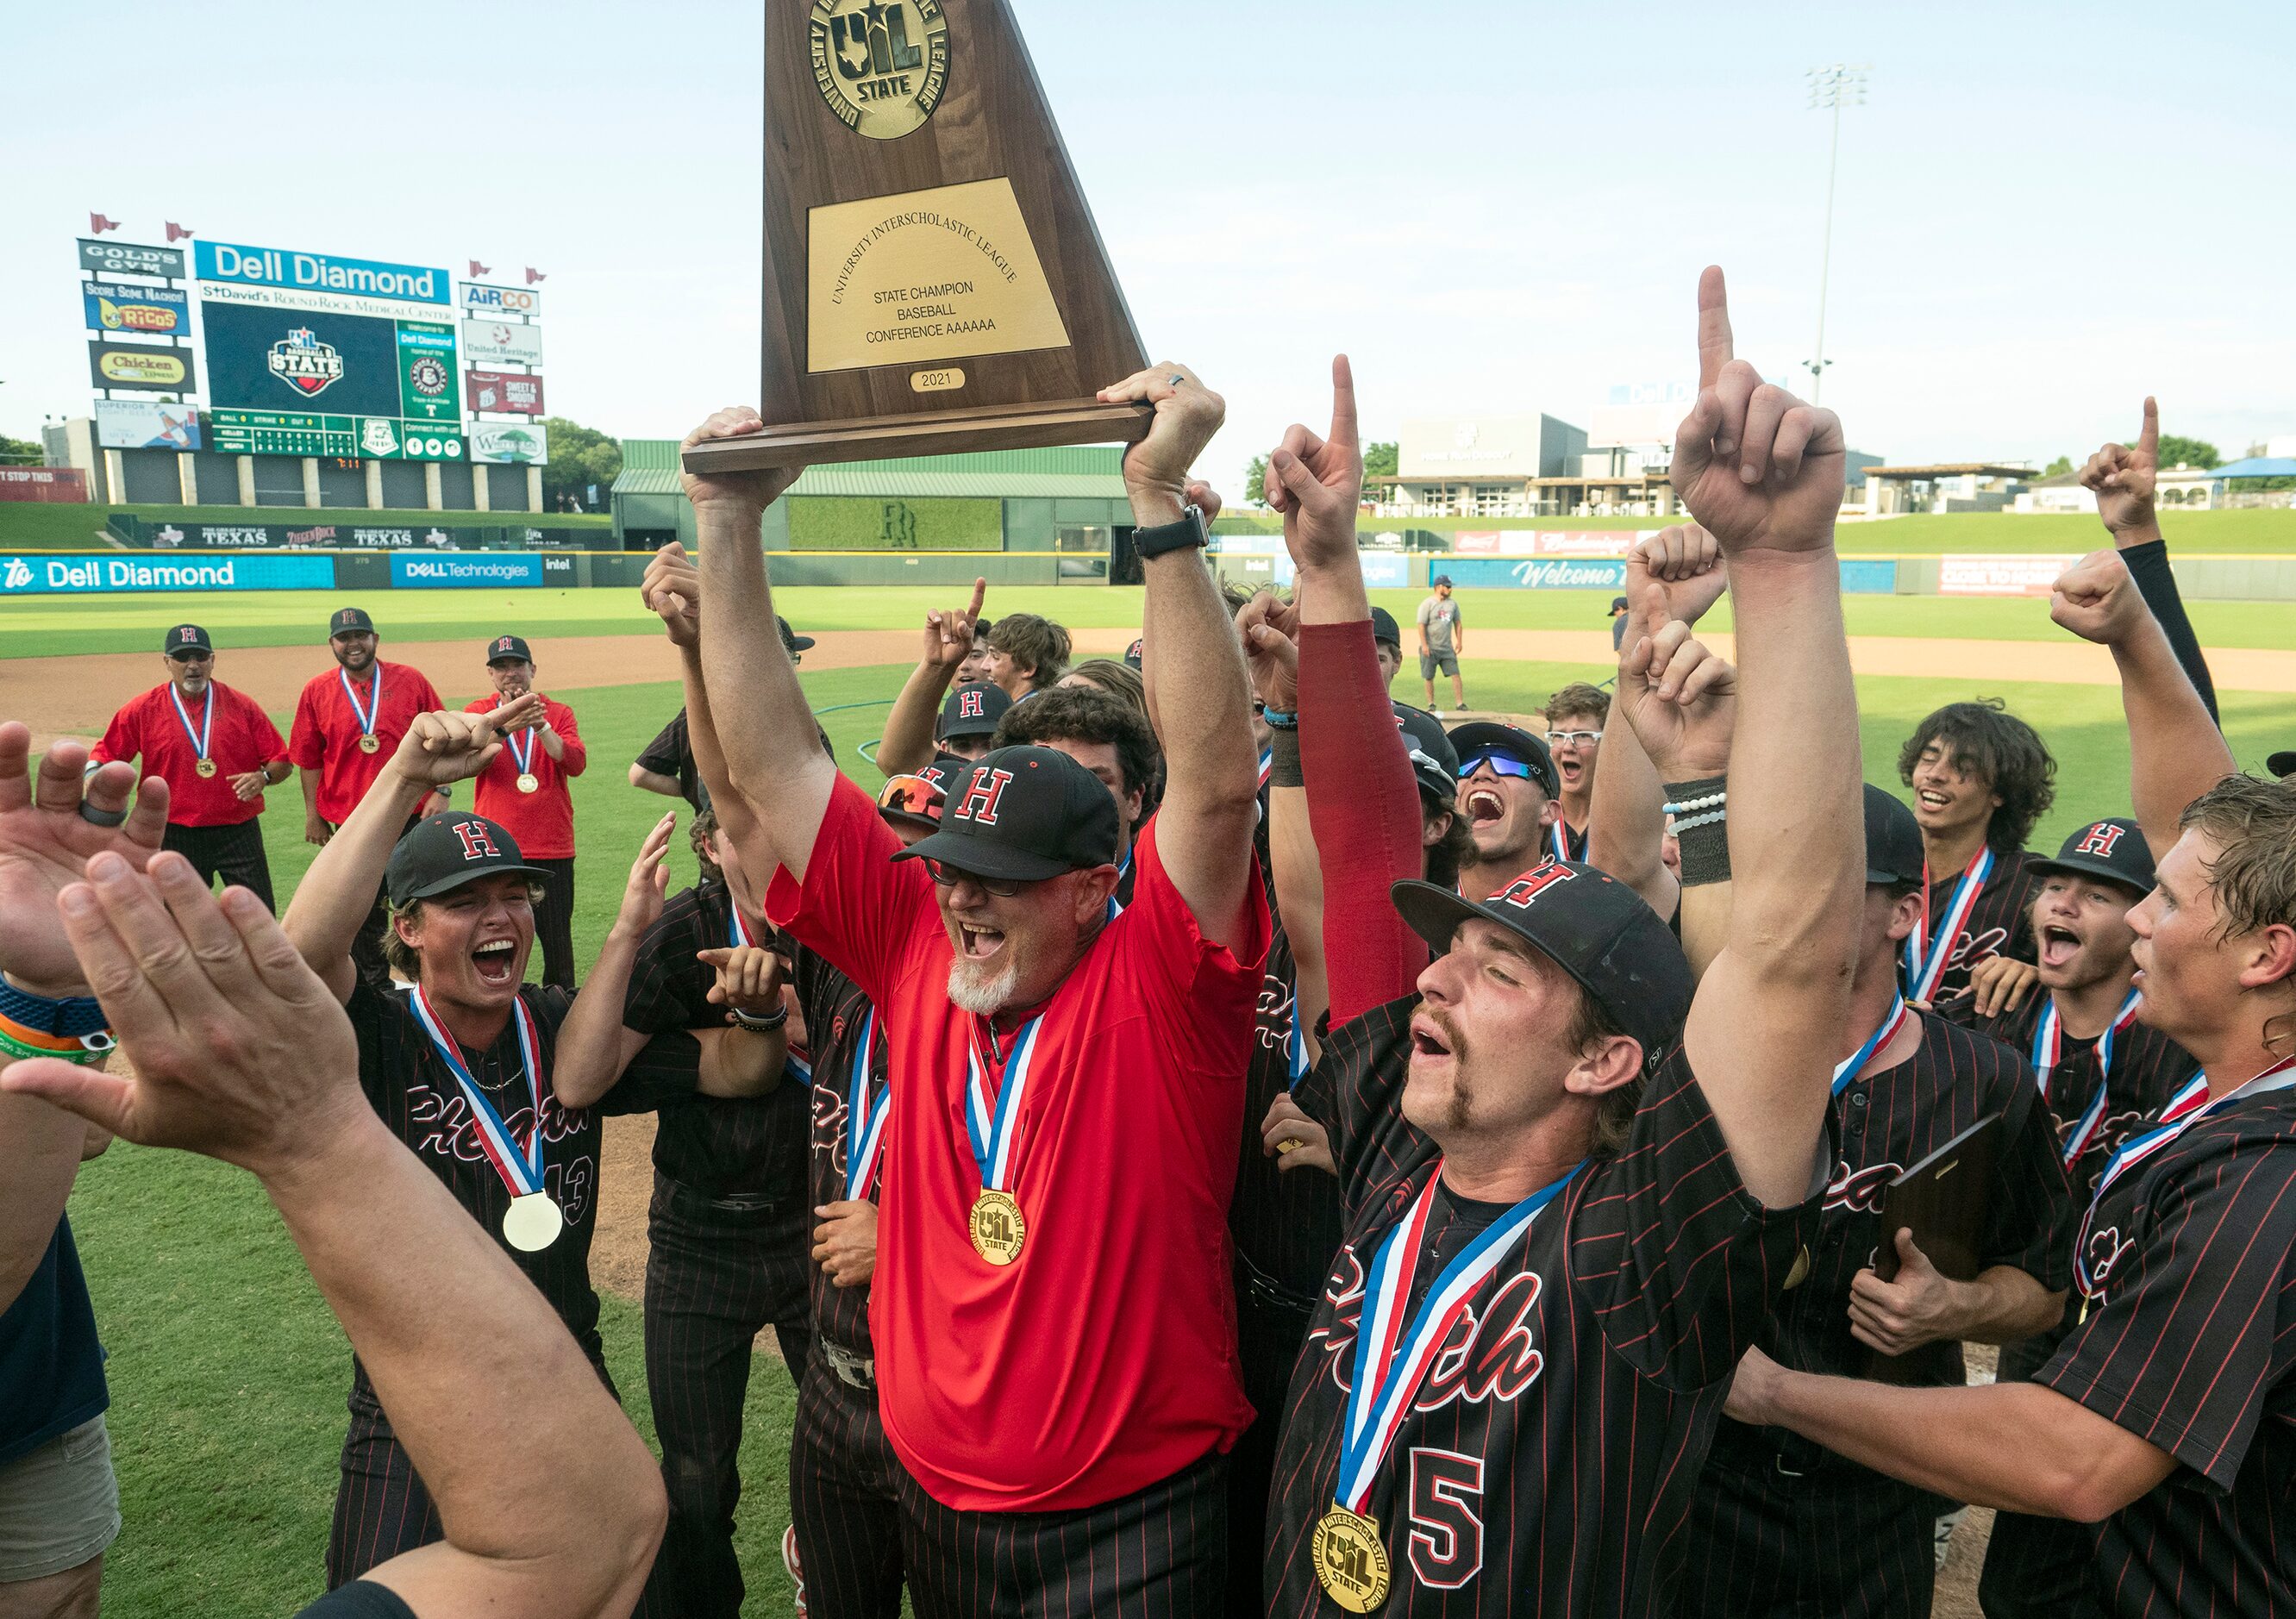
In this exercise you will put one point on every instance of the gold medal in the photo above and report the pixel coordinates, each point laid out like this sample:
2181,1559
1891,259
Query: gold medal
532,1222
370,743
997,1227
528,782
1800,1272
1350,1560
206,767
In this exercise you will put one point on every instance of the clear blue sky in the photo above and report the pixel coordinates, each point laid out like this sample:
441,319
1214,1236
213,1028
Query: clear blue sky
2045,210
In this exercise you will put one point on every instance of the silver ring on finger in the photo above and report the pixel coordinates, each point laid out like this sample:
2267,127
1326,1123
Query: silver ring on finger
1175,379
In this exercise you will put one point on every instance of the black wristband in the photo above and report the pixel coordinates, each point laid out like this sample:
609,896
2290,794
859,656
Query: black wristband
759,1025
1284,761
1705,841
1188,532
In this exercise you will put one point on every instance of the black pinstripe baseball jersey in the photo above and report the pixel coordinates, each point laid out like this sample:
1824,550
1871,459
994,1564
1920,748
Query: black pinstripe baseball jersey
2148,1069
410,1085
723,1147
1545,1464
2191,1346
1780,1525
835,1012
1286,1225
1999,923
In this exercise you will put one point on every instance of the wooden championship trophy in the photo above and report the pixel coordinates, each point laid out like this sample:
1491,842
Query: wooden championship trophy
933,279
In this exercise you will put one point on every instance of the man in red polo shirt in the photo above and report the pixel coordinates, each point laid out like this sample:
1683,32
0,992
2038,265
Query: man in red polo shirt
348,725
525,790
1052,1311
217,750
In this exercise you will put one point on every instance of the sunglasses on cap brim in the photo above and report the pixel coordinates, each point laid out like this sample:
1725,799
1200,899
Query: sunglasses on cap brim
1501,763
1422,760
911,795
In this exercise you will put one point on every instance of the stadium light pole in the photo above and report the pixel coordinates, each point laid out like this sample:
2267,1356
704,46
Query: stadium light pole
1831,89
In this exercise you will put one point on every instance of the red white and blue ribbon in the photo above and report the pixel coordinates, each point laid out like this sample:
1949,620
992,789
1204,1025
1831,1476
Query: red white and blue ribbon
523,756
1559,834
2048,1048
1392,1359
989,1123
737,931
1295,1040
207,719
368,715
1928,948
1116,905
2187,1108
1846,1070
866,1109
1267,765
520,1168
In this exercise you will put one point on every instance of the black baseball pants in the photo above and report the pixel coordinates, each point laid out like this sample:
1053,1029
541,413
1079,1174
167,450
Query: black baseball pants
383,1507
1270,1326
553,923
845,1507
1788,1531
1159,1553
713,1279
233,852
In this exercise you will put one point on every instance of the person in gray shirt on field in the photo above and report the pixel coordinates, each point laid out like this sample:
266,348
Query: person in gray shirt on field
1442,637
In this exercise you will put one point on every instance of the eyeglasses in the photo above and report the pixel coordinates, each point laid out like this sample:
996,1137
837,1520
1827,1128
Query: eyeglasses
949,876
1556,738
1502,765
193,656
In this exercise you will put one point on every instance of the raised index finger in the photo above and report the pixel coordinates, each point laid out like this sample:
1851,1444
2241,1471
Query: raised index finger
1343,402
1714,346
979,596
2148,441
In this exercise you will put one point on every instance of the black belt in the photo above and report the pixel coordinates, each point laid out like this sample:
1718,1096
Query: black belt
1256,1286
682,1202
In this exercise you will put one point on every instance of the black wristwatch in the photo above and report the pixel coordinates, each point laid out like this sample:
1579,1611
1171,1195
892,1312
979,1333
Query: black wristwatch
1189,530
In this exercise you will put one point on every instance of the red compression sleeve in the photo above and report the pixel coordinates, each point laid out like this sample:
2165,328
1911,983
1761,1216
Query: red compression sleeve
1363,802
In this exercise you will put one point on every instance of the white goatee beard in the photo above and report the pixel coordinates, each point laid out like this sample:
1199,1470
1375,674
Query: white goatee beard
974,988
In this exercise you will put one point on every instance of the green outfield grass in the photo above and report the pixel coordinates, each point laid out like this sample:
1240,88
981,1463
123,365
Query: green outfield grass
42,626
2245,532
29,526
227,1373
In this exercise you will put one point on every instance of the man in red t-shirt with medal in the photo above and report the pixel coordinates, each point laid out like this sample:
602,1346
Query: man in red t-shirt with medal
525,790
1052,1311
348,725
217,750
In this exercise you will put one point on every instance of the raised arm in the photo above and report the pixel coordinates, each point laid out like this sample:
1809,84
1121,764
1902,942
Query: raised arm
1267,629
337,891
2123,478
2176,753
1675,574
1762,472
44,842
771,761
550,1503
593,1046
1363,797
907,744
1194,671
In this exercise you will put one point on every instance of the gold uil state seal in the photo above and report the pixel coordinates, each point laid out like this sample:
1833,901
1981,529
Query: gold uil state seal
882,64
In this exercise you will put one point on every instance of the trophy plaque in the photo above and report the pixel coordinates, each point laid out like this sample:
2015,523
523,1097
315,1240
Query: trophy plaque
934,281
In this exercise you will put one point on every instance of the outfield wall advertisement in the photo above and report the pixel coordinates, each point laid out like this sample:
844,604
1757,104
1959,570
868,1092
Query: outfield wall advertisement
226,261
115,306
140,424
53,576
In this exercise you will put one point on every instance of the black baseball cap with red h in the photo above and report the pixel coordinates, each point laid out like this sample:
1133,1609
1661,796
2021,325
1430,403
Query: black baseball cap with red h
448,849
1022,814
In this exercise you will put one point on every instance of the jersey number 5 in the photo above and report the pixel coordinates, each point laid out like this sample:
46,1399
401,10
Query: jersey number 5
1446,1537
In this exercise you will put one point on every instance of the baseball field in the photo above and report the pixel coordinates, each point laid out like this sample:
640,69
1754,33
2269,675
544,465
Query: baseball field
228,1374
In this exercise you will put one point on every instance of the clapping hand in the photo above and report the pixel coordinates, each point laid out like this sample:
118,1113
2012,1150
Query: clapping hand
45,844
641,896
1759,468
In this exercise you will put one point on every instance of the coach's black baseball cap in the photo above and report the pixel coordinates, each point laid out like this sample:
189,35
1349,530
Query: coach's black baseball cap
1617,606
1479,736
1382,628
1024,814
347,620
2283,763
186,638
448,849
1893,840
2112,851
1590,925
507,649
1433,760
792,642
1440,579
973,709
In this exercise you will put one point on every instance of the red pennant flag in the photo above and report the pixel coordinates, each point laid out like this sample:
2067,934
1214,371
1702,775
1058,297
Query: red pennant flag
178,232
534,276
478,269
97,225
